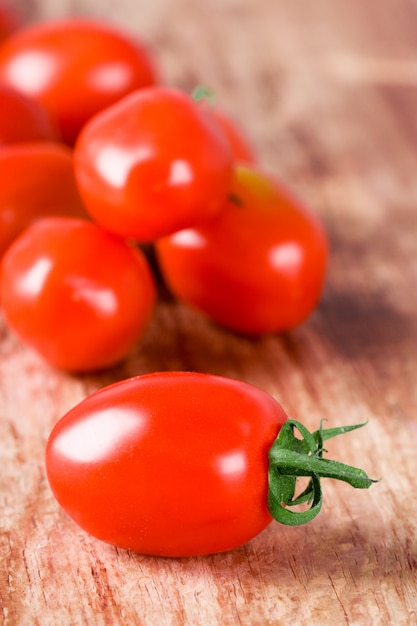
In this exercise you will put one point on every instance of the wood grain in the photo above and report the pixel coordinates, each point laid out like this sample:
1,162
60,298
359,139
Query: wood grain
328,92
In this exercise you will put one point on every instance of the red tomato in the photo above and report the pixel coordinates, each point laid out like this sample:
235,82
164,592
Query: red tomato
9,20
37,180
153,163
22,118
242,149
181,464
75,68
169,464
256,267
77,294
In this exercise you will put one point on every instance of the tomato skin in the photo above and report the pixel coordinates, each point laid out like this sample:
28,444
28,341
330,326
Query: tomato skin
78,295
167,464
153,163
243,151
22,118
258,266
37,180
75,68
10,21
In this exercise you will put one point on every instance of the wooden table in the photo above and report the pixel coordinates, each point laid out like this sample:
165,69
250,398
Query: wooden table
327,91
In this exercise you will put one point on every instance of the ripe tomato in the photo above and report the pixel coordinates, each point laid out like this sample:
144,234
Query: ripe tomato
77,294
37,180
242,149
9,20
75,68
181,463
169,464
256,267
22,118
153,163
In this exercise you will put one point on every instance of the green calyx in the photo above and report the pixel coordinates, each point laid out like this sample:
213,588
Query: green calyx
291,457
202,93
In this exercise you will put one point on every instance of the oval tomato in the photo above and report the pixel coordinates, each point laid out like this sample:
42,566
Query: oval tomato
256,267
169,464
37,180
181,463
153,163
75,68
22,118
77,294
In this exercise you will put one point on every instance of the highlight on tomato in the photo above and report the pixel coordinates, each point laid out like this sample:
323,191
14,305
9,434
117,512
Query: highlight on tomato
153,163
75,67
181,464
258,266
78,295
37,180
22,118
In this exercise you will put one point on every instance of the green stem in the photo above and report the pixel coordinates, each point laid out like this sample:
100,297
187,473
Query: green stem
202,93
291,457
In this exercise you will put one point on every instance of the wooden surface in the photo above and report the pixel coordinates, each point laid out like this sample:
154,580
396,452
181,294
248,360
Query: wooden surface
327,90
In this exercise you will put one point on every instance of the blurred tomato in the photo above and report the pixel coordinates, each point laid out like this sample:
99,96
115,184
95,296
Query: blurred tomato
37,180
75,68
22,118
9,20
256,267
153,163
78,295
242,149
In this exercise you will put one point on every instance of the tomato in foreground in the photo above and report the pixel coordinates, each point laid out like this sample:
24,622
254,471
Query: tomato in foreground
169,464
256,267
75,68
77,294
22,118
153,163
37,180
176,464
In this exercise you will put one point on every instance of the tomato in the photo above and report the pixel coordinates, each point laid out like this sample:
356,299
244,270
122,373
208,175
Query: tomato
153,163
75,68
243,151
256,267
22,118
77,294
37,180
9,20
182,463
161,464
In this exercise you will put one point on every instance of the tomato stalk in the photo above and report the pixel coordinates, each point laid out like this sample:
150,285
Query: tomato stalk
291,457
203,93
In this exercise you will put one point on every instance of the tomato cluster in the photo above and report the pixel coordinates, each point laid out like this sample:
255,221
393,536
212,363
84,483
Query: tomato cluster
97,160
87,131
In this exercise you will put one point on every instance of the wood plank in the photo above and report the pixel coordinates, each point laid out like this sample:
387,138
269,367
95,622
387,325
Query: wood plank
327,91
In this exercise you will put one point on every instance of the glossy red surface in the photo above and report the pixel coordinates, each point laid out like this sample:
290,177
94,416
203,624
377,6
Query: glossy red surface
75,68
256,267
170,464
75,293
